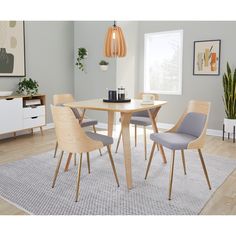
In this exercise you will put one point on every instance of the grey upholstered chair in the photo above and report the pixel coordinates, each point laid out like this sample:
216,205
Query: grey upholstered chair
72,138
59,99
140,119
188,133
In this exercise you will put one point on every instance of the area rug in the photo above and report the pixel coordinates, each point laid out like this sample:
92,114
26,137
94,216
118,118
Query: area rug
27,185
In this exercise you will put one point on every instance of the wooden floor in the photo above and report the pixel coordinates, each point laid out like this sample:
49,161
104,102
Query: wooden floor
222,202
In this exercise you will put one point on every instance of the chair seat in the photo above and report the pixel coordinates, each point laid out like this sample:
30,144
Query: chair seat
106,140
88,122
138,120
174,141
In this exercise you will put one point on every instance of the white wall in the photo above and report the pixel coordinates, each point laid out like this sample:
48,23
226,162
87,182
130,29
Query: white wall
194,87
126,72
93,83
49,59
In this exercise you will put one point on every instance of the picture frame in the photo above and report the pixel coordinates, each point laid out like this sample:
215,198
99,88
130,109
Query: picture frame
206,57
12,49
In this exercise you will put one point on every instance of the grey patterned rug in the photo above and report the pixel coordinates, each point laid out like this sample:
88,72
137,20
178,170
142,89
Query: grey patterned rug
27,184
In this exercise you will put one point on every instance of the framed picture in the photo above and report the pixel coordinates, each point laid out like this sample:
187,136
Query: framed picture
206,57
12,49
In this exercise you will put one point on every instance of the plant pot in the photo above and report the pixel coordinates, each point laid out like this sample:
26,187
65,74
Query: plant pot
229,125
104,67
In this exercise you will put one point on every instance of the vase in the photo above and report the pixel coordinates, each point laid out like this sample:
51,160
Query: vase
6,61
104,67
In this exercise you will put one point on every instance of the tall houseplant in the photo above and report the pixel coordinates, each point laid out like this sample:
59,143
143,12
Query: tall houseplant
229,99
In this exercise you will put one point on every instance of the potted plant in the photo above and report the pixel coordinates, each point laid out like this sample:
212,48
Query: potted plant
103,65
82,54
229,99
27,86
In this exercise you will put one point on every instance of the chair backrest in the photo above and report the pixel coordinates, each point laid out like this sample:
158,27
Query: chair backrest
144,113
70,136
60,99
194,122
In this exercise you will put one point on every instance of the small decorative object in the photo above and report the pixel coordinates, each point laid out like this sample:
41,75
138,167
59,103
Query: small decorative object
5,93
103,65
115,42
148,99
27,87
12,49
121,93
112,95
206,58
82,54
229,99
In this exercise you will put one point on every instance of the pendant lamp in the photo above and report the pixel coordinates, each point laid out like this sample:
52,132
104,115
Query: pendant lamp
115,42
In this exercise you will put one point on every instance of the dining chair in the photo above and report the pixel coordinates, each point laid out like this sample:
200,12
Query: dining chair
60,99
72,138
188,133
140,118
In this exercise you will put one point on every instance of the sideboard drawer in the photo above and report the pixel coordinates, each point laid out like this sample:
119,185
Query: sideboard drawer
34,111
34,122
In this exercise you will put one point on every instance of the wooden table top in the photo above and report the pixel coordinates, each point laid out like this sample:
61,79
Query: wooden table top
98,104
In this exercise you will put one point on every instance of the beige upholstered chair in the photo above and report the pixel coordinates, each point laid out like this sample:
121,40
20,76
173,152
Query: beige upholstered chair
60,99
140,119
73,139
188,133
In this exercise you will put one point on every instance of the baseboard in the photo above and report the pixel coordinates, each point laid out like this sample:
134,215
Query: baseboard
101,125
166,126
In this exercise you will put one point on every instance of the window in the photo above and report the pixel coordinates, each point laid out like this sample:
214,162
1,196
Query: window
163,62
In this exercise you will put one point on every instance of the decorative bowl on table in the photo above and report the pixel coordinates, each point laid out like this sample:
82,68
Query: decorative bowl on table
5,93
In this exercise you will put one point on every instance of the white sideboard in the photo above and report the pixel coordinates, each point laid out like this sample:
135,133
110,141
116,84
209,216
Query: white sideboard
15,116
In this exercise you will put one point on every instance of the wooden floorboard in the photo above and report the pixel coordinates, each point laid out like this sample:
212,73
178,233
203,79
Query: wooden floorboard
222,202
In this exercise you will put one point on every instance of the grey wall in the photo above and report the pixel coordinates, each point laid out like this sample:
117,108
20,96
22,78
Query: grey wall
194,87
93,83
49,59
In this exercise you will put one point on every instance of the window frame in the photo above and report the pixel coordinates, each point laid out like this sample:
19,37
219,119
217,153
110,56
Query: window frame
146,36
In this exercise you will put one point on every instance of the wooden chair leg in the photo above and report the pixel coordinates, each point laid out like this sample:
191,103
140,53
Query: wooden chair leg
88,161
68,162
204,168
171,174
57,169
135,135
145,142
55,152
113,165
118,143
183,160
157,147
75,159
95,131
78,178
150,159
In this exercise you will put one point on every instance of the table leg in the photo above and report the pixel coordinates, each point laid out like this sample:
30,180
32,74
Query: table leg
125,122
110,123
152,114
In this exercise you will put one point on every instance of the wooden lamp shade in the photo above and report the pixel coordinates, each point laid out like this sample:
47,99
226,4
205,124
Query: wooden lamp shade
115,42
